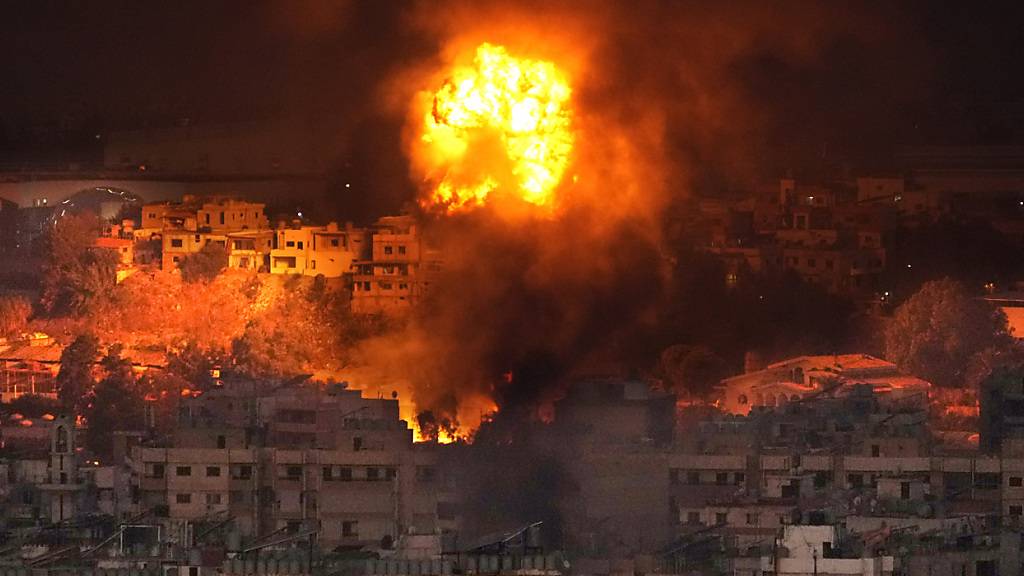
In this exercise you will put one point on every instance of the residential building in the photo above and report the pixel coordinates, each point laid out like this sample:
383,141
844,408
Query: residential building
398,269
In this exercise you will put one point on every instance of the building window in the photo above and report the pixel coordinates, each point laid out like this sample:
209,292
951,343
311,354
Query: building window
183,498
1016,510
300,244
213,499
183,471
742,399
812,263
293,472
350,529
387,250
401,249
752,519
175,242
722,478
344,474
334,242
212,471
290,244
243,472
1016,481
425,474
740,478
876,450
720,518
156,471
372,474
693,477
693,517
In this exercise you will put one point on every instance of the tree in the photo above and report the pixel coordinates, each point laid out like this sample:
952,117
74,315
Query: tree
75,379
941,330
14,314
115,404
76,275
193,366
33,406
695,369
205,265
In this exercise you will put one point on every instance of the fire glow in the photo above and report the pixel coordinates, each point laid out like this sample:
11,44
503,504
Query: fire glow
502,125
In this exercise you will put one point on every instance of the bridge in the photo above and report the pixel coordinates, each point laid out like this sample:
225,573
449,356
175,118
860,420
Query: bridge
29,188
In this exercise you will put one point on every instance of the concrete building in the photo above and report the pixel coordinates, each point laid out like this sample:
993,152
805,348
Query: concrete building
298,458
397,270
808,377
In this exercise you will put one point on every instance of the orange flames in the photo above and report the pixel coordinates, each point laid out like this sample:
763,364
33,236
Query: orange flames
502,125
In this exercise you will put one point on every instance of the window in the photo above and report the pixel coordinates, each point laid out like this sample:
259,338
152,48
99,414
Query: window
740,478
312,264
222,218
350,529
176,243
372,474
213,499
1016,510
693,517
334,242
401,249
183,498
357,443
812,263
447,511
753,519
221,443
156,471
387,250
876,450
212,471
720,518
345,474
390,473
1016,481
183,471
425,474
290,244
243,472
742,399
207,217
693,477
855,480
327,473
293,472
722,478
300,244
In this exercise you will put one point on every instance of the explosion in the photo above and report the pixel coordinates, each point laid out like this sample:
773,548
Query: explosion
502,125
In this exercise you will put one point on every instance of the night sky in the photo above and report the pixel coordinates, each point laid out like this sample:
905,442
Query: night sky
916,72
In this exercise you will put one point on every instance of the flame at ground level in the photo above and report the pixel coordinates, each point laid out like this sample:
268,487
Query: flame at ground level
472,409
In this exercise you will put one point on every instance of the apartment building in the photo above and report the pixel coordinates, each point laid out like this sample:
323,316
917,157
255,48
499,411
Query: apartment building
297,459
398,269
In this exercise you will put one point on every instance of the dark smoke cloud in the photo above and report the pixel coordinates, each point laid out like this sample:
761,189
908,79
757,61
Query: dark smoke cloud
668,97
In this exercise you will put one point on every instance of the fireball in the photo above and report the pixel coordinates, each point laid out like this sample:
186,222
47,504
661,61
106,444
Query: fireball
502,125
